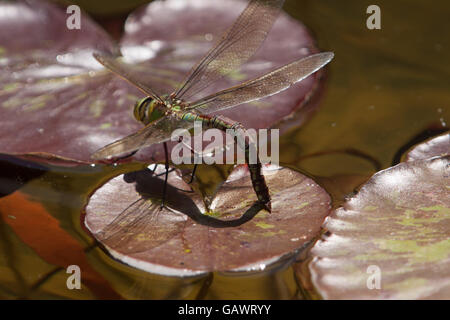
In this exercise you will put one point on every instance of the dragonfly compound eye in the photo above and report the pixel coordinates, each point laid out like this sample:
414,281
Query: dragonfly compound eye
143,109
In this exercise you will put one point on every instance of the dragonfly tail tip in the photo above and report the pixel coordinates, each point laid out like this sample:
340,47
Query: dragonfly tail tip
267,206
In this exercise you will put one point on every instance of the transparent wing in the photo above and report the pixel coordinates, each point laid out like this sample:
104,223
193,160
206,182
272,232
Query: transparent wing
144,224
266,85
140,227
122,70
235,47
155,132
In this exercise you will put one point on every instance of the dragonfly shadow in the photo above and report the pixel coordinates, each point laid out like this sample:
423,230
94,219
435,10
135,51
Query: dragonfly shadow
180,199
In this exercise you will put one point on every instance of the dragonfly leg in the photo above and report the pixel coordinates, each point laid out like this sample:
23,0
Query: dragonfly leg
193,173
164,173
194,153
154,169
166,153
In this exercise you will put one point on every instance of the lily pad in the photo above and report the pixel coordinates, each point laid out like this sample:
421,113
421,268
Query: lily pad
390,241
236,235
434,147
57,101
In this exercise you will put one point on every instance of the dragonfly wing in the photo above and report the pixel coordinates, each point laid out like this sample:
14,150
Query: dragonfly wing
142,226
264,86
125,72
235,47
155,132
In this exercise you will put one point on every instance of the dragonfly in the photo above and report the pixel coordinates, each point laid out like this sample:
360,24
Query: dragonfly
162,114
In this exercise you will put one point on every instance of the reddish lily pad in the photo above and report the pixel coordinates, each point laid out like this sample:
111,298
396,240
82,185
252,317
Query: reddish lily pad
125,216
390,241
57,101
434,147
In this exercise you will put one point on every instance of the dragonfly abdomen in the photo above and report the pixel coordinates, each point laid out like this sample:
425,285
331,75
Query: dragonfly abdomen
245,142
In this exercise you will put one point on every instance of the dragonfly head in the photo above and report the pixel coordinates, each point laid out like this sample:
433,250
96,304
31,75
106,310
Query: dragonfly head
146,110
